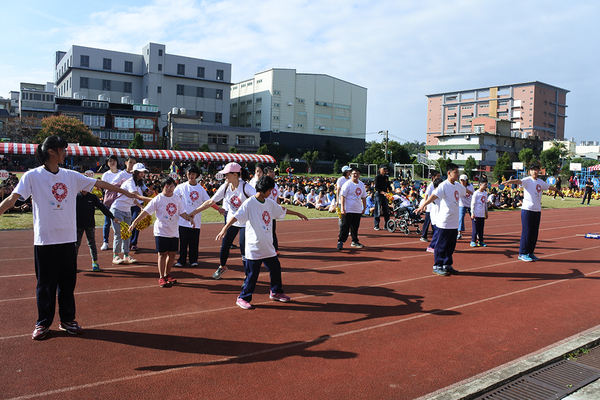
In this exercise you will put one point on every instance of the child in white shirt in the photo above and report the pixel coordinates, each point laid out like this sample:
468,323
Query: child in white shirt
479,213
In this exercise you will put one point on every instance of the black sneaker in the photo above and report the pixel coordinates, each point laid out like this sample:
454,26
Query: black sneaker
451,270
71,327
340,245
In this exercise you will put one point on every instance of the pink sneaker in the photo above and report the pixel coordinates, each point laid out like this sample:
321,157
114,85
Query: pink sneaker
243,303
279,297
430,250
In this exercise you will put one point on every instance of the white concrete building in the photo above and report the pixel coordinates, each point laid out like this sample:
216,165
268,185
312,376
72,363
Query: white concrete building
36,100
301,111
153,77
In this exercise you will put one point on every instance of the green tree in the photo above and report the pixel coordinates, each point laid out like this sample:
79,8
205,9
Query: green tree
70,129
503,167
470,167
176,147
22,129
137,142
283,165
372,155
398,153
263,149
310,157
550,160
336,167
442,162
204,148
233,150
526,156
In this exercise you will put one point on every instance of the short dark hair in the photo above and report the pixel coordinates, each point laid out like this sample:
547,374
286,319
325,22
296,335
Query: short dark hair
535,165
435,172
355,170
192,168
451,167
167,181
483,180
265,183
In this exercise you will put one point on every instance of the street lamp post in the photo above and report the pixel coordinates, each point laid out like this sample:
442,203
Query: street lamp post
385,143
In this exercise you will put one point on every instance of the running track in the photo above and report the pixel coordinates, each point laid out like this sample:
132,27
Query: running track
365,324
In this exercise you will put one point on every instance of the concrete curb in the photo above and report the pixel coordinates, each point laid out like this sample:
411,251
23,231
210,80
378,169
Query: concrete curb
470,388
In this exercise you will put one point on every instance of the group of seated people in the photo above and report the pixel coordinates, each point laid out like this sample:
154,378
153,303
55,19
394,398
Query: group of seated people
506,199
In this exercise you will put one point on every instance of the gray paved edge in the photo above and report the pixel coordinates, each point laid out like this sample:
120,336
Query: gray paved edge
520,366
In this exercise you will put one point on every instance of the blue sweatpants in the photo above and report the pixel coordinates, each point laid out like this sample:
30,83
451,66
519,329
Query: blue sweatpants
530,224
444,248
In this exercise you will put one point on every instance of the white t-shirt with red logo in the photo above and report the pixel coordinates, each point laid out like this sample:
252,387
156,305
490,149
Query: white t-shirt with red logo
192,197
353,194
275,193
54,199
233,199
532,195
479,204
258,219
449,195
167,210
465,201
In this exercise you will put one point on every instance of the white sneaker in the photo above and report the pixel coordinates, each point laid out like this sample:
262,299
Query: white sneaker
104,246
129,260
117,260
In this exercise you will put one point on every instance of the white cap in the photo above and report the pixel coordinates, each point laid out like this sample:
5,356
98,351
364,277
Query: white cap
139,167
464,177
346,168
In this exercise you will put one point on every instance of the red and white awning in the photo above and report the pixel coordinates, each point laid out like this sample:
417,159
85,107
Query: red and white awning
594,168
152,154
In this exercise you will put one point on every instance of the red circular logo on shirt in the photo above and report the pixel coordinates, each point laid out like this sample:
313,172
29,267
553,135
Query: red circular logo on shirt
456,195
171,209
538,188
194,196
59,191
358,192
235,202
266,217
482,200
274,192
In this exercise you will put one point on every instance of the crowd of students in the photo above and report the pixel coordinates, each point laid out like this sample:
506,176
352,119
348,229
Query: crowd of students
64,203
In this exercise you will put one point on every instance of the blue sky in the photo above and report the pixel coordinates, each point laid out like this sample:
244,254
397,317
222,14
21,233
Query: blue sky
400,50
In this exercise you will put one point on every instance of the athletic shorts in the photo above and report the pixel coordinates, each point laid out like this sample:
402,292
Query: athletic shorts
164,244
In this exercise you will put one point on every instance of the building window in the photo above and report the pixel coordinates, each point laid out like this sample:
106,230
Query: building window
159,89
84,61
220,74
128,66
214,138
180,90
84,83
300,100
244,140
160,52
160,67
200,72
200,114
275,117
106,63
180,69
219,94
199,92
105,84
127,88
257,125
218,118
258,100
275,104
258,112
300,126
303,113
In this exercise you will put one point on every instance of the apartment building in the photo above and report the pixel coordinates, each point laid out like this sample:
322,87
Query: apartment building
301,111
533,108
153,77
36,100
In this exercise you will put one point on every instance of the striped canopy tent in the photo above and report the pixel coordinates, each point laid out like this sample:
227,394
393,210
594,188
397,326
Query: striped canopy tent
152,154
594,168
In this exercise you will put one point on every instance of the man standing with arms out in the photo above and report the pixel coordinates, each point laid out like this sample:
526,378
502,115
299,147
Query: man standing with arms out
428,192
382,186
449,193
531,211
352,205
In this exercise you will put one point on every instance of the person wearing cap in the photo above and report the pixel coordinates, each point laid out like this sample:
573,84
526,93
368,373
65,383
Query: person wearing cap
531,211
382,186
233,192
111,176
130,162
464,204
121,209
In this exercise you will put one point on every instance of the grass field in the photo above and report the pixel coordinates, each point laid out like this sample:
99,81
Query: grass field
11,221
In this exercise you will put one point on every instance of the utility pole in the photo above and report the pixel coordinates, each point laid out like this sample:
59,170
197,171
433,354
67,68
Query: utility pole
385,143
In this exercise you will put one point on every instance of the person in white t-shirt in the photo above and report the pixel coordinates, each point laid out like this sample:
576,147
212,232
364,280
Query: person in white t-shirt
353,201
464,204
311,199
427,220
531,210
54,192
449,193
322,202
479,213
167,208
233,192
299,199
111,176
127,173
258,214
276,197
433,211
192,195
340,182
121,209
259,170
